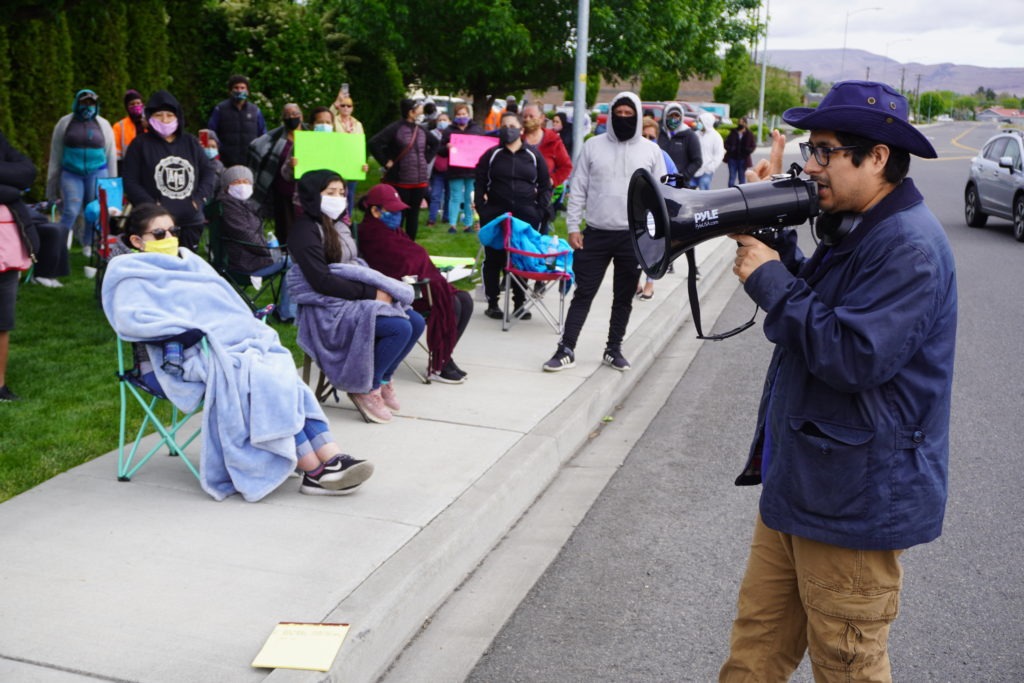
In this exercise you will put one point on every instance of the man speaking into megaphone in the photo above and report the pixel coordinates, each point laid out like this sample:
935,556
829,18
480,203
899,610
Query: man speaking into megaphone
852,438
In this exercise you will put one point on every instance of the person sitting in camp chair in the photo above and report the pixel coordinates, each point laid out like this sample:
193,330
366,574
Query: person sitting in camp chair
260,421
389,250
245,245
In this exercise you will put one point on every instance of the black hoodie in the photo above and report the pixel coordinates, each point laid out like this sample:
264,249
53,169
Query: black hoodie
177,174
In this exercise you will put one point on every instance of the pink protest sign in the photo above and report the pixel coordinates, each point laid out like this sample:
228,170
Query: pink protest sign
465,150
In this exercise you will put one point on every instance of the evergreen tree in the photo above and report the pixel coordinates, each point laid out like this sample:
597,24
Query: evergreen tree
98,38
146,48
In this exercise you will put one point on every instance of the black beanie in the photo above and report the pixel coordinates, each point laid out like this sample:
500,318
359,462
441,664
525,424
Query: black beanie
406,106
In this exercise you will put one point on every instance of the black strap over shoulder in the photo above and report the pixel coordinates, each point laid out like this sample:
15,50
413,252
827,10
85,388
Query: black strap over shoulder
691,287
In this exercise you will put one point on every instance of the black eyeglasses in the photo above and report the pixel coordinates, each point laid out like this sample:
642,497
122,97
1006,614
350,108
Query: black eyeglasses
160,233
821,154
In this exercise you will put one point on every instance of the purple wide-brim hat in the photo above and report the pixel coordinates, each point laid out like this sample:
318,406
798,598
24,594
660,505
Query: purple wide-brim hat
866,108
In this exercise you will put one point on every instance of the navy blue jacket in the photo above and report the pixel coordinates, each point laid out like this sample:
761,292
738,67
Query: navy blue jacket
857,395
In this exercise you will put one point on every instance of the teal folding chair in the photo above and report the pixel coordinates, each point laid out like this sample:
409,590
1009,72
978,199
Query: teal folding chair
149,396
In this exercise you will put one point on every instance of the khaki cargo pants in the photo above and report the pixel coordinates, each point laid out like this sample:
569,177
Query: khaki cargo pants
800,595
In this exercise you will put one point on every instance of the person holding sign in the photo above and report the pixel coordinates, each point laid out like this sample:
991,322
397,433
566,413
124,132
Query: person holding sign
460,178
272,164
404,150
345,122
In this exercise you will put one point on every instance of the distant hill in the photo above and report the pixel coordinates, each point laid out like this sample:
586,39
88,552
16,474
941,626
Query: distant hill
825,66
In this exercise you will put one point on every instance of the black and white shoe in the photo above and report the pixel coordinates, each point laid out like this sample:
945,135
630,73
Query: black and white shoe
339,476
8,396
614,358
563,359
448,375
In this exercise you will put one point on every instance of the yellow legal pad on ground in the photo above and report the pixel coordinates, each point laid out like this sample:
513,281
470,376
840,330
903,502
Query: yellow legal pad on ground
301,646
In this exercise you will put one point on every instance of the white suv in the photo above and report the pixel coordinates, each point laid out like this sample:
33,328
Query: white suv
995,186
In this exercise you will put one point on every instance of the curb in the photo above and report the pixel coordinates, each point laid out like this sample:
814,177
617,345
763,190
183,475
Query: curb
396,600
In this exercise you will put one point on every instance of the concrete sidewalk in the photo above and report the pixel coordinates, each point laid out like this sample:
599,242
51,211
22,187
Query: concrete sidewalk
153,581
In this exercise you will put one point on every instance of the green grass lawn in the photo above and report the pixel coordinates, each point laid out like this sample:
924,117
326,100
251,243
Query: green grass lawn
63,364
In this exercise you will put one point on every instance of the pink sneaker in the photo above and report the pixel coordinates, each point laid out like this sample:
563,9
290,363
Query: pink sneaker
387,393
371,407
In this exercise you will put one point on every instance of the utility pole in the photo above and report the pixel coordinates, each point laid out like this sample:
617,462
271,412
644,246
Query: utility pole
764,74
903,73
579,92
917,99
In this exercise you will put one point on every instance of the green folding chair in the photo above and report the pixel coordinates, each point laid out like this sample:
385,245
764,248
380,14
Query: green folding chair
149,397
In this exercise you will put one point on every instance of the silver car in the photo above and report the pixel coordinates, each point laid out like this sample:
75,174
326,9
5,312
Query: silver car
995,186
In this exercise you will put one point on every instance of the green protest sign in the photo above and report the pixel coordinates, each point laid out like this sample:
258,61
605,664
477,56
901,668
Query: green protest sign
343,153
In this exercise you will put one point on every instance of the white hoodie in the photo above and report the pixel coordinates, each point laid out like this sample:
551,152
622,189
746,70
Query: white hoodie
712,149
600,177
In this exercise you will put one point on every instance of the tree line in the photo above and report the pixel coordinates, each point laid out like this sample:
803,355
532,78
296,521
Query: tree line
302,51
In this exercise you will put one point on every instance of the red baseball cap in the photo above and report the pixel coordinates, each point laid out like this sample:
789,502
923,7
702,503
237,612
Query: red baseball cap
386,197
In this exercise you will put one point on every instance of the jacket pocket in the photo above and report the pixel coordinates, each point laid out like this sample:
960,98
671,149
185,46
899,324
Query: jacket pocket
829,467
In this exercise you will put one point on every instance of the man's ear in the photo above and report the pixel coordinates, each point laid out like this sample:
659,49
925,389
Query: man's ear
879,157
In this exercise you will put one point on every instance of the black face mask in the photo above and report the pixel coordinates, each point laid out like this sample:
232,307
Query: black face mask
508,135
292,124
624,127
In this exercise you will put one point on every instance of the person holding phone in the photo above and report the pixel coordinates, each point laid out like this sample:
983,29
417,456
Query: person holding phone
345,122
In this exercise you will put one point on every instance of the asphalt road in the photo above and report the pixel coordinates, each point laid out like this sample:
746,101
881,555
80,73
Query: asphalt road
645,588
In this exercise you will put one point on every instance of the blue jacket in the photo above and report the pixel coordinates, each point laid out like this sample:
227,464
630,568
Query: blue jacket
857,395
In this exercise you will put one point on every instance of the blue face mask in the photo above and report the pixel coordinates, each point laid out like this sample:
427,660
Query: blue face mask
322,127
391,219
240,95
211,152
88,113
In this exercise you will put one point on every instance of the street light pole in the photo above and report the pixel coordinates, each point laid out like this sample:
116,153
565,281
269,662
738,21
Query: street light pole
764,73
846,26
579,96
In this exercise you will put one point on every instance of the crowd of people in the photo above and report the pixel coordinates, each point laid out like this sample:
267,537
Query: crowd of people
852,435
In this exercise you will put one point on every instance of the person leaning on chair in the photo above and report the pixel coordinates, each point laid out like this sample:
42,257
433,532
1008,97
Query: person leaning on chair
599,183
511,178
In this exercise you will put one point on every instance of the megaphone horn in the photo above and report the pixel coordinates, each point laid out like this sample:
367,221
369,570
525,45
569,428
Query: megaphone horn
666,222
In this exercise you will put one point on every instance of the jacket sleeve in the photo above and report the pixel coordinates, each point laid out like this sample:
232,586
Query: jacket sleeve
307,248
206,184
879,322
380,143
693,153
132,175
16,169
108,146
563,164
214,120
56,153
544,189
431,146
578,188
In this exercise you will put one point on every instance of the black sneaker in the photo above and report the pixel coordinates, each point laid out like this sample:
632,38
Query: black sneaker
525,315
8,396
614,358
340,476
494,312
456,368
563,359
448,375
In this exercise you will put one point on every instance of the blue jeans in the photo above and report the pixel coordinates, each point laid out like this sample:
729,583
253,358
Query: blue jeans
460,197
737,172
395,338
702,182
285,308
76,191
438,189
313,436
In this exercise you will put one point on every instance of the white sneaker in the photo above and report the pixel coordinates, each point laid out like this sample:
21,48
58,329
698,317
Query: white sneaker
87,251
48,282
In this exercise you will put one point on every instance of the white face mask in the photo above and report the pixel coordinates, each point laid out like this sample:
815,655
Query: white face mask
332,207
240,191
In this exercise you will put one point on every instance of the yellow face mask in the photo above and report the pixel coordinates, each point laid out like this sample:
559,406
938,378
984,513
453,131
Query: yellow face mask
168,245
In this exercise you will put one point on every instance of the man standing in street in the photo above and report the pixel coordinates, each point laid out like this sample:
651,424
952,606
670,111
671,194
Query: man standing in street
599,186
237,122
852,439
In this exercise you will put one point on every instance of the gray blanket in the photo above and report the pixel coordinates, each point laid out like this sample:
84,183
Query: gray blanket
338,334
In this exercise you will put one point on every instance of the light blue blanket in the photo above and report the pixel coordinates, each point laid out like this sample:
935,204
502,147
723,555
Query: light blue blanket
339,334
255,402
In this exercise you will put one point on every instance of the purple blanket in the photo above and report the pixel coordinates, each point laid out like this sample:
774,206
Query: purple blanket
338,334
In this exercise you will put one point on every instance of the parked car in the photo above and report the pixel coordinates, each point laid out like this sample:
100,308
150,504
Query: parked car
995,185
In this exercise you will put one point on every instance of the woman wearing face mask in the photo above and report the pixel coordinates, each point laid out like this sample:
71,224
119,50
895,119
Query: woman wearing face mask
353,321
512,177
245,244
389,250
211,146
461,181
273,166
169,167
81,151
437,201
166,295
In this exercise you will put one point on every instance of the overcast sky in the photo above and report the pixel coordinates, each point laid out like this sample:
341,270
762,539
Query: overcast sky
925,31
